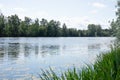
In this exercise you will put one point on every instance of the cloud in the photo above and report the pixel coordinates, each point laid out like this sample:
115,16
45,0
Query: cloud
18,9
98,5
82,22
42,14
94,11
74,22
115,10
1,6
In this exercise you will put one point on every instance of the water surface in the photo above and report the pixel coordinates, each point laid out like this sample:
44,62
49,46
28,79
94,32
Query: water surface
25,57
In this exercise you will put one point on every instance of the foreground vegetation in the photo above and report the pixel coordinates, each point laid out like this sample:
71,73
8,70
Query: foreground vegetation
107,67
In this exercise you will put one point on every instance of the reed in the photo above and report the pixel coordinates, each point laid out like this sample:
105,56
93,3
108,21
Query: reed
106,67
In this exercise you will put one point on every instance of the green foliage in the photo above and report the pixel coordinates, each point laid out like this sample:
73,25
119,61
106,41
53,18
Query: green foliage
107,67
53,29
23,29
42,31
115,25
12,26
73,32
2,25
13,22
64,30
94,30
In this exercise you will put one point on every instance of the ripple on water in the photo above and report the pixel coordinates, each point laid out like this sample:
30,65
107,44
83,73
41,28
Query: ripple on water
22,58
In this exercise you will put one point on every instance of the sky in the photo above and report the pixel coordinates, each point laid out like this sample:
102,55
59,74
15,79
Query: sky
75,13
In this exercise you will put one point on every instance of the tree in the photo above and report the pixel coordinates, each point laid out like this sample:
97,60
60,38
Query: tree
105,32
28,22
94,30
57,30
50,29
23,29
113,28
64,30
42,31
33,29
98,30
13,23
12,26
91,30
2,25
53,29
44,22
116,24
73,32
84,33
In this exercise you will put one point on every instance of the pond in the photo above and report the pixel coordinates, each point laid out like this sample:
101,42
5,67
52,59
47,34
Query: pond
21,58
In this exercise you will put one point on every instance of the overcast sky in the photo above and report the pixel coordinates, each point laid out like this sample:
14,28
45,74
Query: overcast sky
75,13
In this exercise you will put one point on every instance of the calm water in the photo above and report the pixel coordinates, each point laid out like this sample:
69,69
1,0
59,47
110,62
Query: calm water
25,57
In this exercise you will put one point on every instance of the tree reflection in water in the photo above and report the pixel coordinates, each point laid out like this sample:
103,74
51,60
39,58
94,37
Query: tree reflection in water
49,50
2,51
13,50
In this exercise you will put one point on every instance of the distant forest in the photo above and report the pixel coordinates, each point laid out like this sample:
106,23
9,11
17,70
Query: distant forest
13,26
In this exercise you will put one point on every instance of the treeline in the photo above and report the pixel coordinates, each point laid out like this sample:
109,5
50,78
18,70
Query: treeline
13,26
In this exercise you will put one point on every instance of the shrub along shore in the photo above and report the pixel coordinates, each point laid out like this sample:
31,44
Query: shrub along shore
106,67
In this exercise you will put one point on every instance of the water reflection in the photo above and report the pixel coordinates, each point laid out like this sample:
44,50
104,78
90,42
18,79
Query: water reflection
2,49
13,50
50,50
26,56
2,52
94,46
27,49
36,49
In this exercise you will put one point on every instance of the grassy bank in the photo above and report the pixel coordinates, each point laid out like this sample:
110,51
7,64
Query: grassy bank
106,67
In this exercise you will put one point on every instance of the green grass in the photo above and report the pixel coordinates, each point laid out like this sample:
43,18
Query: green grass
106,67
